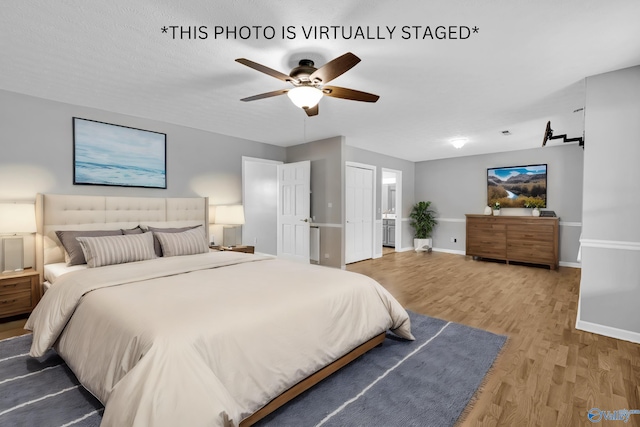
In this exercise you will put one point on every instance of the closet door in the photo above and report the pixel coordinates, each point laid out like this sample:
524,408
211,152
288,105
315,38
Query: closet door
359,214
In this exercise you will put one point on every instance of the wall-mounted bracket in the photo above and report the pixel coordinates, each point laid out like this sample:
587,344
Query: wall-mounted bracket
548,134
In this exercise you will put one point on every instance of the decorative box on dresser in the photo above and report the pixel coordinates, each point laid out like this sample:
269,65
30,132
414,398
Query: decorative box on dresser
19,292
528,239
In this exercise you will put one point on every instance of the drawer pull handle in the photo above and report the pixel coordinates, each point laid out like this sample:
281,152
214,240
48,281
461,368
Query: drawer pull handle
9,301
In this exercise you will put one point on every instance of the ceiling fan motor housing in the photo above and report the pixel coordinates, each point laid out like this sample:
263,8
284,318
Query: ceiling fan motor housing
302,72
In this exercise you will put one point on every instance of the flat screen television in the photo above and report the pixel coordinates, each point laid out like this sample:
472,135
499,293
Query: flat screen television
517,186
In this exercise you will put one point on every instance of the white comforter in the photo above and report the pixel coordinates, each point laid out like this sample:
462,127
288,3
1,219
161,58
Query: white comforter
179,341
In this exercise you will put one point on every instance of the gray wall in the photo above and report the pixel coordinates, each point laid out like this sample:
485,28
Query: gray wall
353,154
327,183
458,186
610,285
36,154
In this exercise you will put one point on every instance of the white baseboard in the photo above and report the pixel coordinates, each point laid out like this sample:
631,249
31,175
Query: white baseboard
408,248
449,251
608,331
570,264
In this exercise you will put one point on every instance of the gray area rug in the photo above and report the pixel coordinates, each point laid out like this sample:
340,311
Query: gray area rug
427,382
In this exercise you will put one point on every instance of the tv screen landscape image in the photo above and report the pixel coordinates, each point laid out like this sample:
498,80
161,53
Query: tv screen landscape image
517,186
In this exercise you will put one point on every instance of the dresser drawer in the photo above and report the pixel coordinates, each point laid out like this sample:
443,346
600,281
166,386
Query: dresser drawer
15,303
14,285
533,252
486,226
488,250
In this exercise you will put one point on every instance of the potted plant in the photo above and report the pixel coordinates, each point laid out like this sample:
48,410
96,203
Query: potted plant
496,208
535,203
422,220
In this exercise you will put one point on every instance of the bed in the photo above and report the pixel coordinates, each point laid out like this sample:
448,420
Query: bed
208,339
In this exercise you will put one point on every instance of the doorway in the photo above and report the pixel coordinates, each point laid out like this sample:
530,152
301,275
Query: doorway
391,211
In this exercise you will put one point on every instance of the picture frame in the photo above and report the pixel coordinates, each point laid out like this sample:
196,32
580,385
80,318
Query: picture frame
517,186
116,155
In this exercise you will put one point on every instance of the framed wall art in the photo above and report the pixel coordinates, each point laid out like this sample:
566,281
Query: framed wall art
108,154
516,186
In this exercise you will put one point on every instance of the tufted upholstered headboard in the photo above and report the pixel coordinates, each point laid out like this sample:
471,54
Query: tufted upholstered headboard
65,212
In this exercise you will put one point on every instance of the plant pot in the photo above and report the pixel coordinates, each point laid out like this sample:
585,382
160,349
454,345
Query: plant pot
535,212
422,245
496,212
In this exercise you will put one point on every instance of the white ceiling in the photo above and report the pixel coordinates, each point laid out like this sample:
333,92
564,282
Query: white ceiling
526,65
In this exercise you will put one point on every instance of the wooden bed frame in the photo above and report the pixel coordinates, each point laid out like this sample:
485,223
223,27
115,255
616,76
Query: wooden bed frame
312,380
73,212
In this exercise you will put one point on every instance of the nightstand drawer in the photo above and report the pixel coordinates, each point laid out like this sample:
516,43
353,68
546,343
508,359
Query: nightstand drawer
14,285
15,303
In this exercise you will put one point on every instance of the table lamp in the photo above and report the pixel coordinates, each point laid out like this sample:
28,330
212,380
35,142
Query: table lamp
231,217
15,219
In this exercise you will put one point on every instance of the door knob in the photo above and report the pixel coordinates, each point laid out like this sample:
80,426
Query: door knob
305,220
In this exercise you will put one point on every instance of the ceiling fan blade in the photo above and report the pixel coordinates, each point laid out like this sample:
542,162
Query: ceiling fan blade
344,93
334,68
313,111
263,69
265,95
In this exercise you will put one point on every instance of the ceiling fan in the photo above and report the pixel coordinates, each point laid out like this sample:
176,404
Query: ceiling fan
310,82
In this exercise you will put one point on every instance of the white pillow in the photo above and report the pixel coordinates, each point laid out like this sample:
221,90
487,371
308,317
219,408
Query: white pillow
107,250
188,242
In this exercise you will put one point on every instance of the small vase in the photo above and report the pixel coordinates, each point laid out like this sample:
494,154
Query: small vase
487,210
496,212
535,212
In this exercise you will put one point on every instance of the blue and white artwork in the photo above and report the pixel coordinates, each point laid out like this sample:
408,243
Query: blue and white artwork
106,154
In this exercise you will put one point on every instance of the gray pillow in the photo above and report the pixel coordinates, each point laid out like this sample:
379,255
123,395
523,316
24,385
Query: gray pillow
156,242
72,246
108,250
188,242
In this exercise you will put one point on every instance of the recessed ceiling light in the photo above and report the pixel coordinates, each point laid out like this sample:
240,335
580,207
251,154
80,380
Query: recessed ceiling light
459,142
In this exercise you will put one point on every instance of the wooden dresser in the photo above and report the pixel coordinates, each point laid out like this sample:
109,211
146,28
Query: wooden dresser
527,239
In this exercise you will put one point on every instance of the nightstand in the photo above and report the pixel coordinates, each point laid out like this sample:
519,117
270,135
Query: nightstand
19,292
245,249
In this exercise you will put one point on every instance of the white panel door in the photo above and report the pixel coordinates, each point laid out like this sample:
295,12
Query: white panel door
294,188
359,214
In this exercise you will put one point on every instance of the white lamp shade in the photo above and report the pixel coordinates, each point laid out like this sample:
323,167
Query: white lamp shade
230,215
17,218
305,96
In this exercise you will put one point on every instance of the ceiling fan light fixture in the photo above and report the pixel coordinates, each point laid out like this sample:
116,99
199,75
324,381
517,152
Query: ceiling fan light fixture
305,96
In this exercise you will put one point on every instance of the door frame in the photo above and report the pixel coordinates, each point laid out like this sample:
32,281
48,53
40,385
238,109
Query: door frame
373,208
398,173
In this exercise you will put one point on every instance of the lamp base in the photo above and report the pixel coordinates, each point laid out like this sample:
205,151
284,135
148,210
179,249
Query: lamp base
12,254
230,236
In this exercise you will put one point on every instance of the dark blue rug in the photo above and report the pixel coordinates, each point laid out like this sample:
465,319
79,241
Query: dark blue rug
427,382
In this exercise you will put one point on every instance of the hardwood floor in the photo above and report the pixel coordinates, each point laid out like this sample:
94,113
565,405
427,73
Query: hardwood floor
549,373
13,326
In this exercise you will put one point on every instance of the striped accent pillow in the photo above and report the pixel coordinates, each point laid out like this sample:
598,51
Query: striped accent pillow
188,242
109,250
